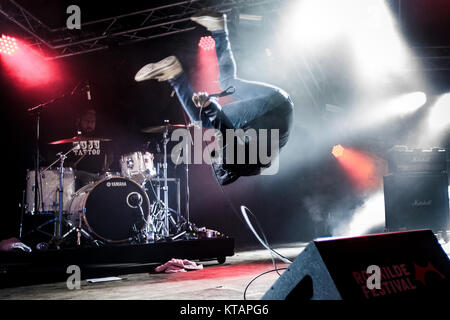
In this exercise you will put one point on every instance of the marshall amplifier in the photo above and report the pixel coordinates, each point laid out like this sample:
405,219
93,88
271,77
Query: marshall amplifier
416,201
404,160
411,265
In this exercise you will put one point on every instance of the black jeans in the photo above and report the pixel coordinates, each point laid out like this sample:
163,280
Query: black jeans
258,106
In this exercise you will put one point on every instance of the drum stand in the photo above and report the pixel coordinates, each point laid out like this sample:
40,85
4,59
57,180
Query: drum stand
57,237
37,189
158,219
165,229
37,110
161,217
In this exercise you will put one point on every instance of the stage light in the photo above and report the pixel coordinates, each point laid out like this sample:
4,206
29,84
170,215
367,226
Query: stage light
364,170
404,104
8,45
206,78
371,115
377,45
207,43
311,23
439,117
338,151
366,28
24,64
207,70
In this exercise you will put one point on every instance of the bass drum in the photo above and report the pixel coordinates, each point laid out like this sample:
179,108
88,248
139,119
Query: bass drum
110,209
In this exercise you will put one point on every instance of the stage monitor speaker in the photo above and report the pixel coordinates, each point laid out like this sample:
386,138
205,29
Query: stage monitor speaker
416,201
412,264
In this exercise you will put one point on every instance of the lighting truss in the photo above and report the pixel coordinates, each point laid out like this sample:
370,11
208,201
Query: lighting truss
118,30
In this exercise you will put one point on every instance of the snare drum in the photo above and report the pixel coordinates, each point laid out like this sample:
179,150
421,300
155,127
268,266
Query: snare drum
110,209
48,196
109,175
138,166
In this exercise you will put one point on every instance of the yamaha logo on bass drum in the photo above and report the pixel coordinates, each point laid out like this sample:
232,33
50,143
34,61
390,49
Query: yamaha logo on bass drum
116,184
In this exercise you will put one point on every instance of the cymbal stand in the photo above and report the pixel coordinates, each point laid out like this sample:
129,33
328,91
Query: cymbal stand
58,237
160,213
166,232
37,110
37,188
62,157
188,197
185,225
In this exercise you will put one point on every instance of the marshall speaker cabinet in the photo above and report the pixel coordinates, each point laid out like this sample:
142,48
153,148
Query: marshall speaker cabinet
416,201
416,192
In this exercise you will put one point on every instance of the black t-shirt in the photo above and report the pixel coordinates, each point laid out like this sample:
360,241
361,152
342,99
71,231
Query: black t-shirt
91,155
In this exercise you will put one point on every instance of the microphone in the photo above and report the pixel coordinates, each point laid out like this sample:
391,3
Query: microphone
229,91
88,91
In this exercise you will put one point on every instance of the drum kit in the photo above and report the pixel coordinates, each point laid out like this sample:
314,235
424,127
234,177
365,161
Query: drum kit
116,208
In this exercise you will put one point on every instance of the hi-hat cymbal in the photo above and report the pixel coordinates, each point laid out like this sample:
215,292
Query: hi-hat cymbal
159,129
79,139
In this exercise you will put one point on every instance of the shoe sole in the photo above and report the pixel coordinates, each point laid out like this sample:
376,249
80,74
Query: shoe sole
206,18
156,72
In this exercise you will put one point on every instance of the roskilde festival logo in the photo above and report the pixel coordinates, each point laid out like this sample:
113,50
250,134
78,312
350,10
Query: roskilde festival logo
396,279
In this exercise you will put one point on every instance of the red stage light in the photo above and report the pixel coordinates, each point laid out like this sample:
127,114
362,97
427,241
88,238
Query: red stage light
338,151
206,78
8,45
24,64
364,169
207,43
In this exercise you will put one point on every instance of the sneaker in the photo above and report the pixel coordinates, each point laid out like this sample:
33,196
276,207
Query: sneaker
222,175
211,20
163,70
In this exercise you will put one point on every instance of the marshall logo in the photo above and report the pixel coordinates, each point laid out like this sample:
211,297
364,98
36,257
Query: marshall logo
116,184
422,203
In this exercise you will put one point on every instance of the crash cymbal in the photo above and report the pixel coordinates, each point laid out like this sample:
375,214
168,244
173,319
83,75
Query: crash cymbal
79,139
159,129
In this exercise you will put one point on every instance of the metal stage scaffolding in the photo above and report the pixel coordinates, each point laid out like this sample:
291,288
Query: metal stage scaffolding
119,30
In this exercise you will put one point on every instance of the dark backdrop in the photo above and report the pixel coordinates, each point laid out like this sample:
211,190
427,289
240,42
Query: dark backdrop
291,206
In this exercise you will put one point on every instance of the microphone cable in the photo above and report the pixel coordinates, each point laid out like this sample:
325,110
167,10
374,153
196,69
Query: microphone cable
247,220
263,241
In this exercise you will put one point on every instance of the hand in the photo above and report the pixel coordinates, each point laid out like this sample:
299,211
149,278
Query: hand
201,99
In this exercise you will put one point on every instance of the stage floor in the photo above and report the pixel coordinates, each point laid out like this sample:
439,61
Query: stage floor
215,282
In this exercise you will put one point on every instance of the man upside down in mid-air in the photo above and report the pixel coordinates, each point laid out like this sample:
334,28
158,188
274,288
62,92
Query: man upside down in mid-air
257,106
